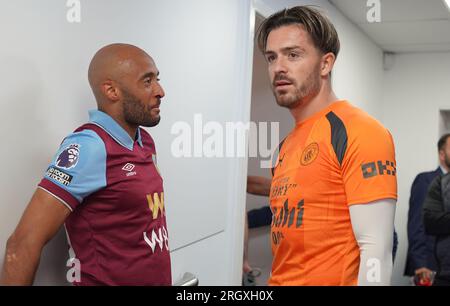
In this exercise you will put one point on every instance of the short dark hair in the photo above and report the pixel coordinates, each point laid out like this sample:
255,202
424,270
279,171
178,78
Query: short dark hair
442,141
322,31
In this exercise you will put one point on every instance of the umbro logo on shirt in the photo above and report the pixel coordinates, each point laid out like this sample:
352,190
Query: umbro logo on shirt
129,168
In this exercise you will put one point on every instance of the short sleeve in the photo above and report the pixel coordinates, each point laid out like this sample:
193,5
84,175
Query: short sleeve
77,170
369,167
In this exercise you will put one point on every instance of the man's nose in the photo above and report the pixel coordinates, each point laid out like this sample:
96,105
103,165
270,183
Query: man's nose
280,66
159,91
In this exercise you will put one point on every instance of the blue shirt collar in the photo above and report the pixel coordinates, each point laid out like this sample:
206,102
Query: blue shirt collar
111,126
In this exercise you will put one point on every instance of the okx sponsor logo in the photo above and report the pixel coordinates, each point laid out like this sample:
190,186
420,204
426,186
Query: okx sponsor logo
377,168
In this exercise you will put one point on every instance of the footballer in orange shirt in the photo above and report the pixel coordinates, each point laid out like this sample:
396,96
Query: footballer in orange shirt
334,185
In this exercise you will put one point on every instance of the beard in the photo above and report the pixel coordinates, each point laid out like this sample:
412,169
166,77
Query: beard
301,93
137,113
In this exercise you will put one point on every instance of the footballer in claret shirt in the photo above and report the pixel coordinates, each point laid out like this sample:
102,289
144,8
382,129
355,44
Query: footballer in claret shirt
104,185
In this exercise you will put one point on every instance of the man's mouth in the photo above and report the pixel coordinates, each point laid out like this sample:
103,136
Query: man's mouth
155,109
157,106
282,83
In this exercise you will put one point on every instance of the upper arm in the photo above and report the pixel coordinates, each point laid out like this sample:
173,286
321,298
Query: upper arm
416,201
369,166
418,190
41,220
77,170
373,221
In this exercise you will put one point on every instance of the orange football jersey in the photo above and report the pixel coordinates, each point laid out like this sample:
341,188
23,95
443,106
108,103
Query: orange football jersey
338,157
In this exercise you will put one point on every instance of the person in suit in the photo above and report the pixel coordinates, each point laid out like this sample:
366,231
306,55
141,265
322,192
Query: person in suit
436,220
420,261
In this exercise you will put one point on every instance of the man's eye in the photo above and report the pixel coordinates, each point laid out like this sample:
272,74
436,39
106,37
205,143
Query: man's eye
148,81
293,55
270,58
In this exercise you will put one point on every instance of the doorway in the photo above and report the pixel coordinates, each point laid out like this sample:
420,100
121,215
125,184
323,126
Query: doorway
264,110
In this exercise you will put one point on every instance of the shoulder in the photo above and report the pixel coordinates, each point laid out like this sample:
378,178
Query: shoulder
426,177
357,136
359,123
87,140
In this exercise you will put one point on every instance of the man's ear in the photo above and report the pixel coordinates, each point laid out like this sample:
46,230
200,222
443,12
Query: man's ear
327,65
110,90
441,155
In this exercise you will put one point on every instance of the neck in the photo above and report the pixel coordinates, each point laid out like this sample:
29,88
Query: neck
130,129
311,105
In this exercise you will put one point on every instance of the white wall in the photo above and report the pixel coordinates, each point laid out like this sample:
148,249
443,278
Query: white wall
203,50
357,77
415,89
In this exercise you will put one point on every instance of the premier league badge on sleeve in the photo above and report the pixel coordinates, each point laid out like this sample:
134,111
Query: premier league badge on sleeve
68,158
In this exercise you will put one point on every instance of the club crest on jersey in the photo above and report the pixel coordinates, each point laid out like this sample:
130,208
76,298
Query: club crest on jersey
310,154
68,158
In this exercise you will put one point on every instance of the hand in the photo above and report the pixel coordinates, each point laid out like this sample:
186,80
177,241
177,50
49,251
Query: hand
258,185
424,277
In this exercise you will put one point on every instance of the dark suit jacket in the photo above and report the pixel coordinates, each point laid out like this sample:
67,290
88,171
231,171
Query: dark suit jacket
436,213
420,245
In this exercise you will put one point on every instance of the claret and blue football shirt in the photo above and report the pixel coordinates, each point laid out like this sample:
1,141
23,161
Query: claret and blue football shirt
110,182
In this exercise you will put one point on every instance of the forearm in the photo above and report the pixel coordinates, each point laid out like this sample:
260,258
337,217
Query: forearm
20,263
376,265
373,226
258,185
417,243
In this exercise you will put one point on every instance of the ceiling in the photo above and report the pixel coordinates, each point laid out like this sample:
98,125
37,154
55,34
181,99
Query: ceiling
406,25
